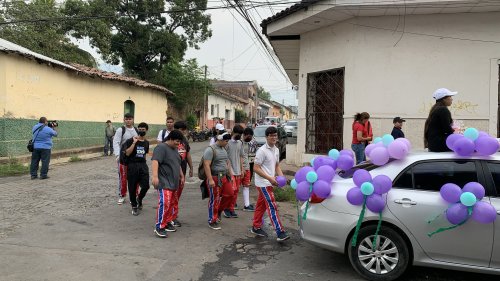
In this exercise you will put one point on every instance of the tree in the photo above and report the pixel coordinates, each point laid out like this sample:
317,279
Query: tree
144,35
240,116
263,94
48,38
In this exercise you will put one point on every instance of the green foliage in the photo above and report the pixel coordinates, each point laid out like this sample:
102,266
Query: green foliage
13,168
285,194
263,94
75,158
191,121
240,116
46,38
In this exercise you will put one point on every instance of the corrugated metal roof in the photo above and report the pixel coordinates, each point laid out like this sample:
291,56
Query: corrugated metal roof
286,12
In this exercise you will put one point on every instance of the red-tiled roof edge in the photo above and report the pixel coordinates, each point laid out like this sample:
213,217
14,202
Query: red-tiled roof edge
286,12
236,98
93,72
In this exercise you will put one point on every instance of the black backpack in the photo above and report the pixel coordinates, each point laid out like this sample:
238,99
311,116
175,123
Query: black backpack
124,159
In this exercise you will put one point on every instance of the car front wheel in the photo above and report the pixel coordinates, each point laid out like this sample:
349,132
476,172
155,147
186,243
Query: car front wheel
387,261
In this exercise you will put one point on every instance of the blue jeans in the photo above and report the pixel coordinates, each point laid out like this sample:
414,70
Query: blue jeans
108,145
36,156
359,151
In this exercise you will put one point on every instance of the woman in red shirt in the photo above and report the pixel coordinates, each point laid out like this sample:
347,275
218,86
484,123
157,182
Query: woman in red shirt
361,135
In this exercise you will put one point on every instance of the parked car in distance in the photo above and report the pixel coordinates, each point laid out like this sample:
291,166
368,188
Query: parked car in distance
413,201
291,128
260,137
275,119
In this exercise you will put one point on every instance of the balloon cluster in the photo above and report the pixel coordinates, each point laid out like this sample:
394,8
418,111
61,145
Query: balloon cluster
472,140
387,147
317,179
369,191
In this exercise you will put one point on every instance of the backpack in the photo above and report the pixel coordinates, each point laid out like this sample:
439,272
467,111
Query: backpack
201,169
124,159
123,131
163,133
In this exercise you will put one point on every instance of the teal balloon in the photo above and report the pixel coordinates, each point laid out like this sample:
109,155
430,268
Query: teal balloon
377,140
311,177
468,199
471,133
387,139
367,188
312,162
334,154
293,184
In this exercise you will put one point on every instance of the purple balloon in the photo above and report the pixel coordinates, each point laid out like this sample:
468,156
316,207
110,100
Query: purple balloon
484,212
464,146
301,174
379,156
347,152
354,196
486,145
320,161
345,162
281,181
302,191
361,176
451,139
451,192
457,213
382,184
369,148
397,149
325,173
483,134
333,164
322,189
375,203
406,141
476,188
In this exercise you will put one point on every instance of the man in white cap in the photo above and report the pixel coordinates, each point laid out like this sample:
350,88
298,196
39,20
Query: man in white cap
438,124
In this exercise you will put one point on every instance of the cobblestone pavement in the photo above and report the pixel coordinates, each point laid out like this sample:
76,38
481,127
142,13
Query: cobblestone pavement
69,227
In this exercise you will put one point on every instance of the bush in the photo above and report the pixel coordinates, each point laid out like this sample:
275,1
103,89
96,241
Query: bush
191,121
240,116
285,194
74,158
13,168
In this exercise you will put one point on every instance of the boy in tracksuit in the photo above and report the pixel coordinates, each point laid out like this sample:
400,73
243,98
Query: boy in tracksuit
167,173
266,167
235,153
218,171
137,169
249,149
122,134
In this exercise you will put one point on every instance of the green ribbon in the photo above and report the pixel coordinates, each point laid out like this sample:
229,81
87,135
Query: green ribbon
378,229
298,212
308,200
469,213
360,220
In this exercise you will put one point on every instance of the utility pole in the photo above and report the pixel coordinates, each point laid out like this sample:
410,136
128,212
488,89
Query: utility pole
256,103
222,60
205,100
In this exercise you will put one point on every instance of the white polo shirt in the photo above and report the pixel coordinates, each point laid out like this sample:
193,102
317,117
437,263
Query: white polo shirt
266,157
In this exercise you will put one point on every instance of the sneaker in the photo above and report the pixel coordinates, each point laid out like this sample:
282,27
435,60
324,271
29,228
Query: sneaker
176,223
139,203
170,227
214,225
44,177
121,200
160,232
249,208
282,236
135,211
233,214
258,231
218,220
227,213
34,177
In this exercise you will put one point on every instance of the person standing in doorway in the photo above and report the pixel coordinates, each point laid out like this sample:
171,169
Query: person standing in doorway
267,167
438,124
162,135
397,131
122,134
109,133
42,134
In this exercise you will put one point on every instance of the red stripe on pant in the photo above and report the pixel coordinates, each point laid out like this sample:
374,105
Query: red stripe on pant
214,200
236,188
166,201
178,194
227,196
122,180
266,201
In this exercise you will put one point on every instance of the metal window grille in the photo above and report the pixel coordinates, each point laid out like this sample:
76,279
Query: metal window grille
325,110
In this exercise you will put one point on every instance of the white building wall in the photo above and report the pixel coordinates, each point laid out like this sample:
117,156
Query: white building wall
221,104
389,74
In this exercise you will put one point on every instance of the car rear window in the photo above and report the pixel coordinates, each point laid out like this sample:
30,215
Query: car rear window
367,165
293,123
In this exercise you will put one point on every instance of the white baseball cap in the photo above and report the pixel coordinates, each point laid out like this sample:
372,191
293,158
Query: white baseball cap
442,93
219,126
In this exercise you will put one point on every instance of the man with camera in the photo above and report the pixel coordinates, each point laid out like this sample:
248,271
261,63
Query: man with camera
42,134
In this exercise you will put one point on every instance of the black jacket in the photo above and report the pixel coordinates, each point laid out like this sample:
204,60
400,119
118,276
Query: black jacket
439,128
397,133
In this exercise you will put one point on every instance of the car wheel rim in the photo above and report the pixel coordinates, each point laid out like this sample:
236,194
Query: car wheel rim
381,260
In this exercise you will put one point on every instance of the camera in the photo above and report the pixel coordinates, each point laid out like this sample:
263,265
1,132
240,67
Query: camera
52,123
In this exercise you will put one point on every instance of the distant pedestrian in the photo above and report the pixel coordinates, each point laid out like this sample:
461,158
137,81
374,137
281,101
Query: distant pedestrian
42,134
360,135
438,124
397,131
109,133
267,167
122,134
249,150
162,135
235,153
167,173
137,149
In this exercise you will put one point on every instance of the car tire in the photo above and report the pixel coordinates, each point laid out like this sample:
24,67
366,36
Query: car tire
393,262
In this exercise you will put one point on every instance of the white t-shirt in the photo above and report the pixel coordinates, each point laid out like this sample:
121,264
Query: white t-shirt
267,157
159,139
219,126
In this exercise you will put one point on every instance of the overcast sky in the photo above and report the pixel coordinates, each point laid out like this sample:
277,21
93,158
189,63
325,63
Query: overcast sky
244,58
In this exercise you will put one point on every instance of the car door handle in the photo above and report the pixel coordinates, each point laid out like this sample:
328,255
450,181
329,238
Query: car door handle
405,201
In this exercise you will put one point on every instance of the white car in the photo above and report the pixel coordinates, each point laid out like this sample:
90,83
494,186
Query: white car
291,128
413,201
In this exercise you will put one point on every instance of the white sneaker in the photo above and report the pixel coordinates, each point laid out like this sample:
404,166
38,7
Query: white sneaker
121,200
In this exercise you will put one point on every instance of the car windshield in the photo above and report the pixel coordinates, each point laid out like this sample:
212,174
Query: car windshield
260,131
292,123
367,165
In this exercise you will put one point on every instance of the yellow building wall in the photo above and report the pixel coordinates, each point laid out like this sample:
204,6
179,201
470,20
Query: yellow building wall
33,90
